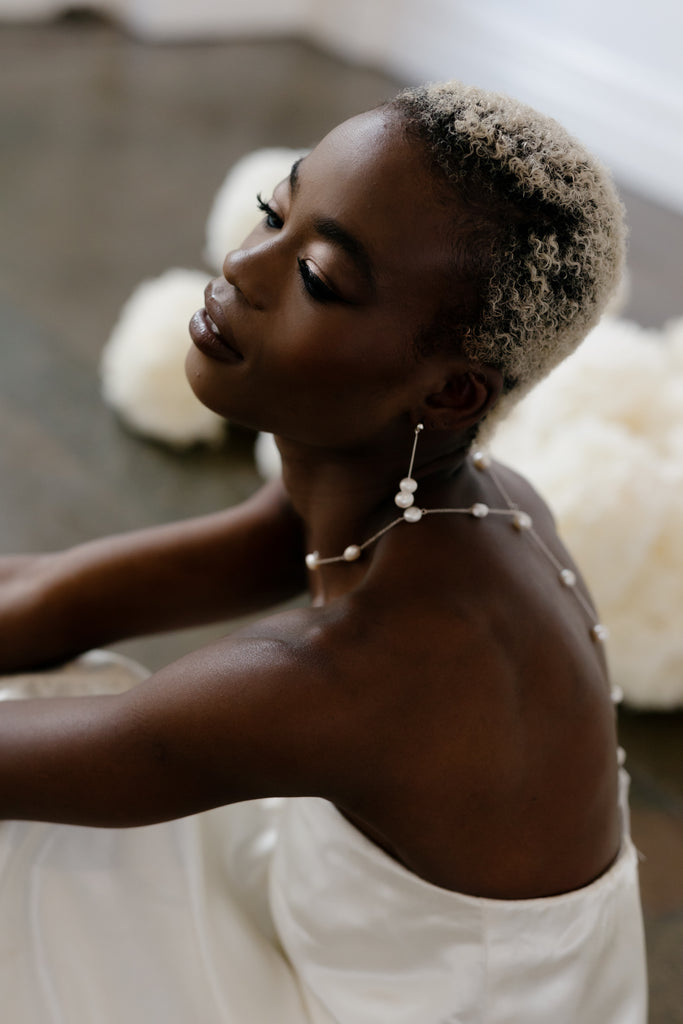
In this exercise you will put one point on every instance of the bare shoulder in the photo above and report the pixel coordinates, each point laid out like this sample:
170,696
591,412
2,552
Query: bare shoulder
523,493
261,713
256,714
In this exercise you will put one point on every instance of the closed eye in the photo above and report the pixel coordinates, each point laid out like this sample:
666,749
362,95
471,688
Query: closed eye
315,286
273,220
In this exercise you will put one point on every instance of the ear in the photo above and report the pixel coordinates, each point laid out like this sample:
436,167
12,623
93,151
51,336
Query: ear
464,398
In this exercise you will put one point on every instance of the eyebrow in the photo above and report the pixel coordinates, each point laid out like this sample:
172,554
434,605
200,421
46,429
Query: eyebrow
331,229
294,176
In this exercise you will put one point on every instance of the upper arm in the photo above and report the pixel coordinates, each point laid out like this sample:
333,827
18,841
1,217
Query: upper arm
241,719
207,568
200,570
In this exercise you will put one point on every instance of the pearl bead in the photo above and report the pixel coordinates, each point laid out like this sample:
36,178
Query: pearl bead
617,694
351,553
599,633
403,499
567,578
479,510
408,484
480,460
412,515
522,521
621,757
312,560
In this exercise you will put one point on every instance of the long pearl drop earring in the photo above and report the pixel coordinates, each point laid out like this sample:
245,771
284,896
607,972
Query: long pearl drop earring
405,498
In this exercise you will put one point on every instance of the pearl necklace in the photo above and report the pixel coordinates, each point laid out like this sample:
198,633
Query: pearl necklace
520,520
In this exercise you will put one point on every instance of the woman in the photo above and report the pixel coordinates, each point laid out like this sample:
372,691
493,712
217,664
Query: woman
459,850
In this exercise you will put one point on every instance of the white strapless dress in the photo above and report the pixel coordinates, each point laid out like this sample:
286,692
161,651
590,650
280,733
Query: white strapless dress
281,912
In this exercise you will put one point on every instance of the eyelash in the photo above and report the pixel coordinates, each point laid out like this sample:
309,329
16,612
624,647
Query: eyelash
313,284
272,219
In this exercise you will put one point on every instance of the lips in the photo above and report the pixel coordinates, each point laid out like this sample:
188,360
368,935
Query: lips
211,333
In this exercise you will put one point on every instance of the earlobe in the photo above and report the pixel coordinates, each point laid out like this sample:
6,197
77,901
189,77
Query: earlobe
464,399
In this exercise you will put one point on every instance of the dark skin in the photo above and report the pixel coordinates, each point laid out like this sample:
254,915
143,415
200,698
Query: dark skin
443,691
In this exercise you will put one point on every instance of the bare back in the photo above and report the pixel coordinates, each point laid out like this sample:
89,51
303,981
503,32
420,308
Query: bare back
480,734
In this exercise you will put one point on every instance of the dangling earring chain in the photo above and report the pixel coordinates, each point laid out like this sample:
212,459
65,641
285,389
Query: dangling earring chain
521,521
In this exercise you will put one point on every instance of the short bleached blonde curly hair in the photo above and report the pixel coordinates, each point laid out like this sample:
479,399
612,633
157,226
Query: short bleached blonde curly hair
539,233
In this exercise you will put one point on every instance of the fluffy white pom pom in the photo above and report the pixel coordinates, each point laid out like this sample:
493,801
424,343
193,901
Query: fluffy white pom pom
646,638
234,213
142,367
602,439
267,457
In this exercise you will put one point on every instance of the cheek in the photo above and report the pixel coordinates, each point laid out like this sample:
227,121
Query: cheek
342,345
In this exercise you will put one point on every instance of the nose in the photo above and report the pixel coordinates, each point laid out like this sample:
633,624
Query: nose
251,272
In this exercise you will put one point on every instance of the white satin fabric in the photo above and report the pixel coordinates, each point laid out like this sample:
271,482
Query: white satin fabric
376,943
281,912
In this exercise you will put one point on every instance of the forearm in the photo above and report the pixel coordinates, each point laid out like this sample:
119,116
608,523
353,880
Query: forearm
183,574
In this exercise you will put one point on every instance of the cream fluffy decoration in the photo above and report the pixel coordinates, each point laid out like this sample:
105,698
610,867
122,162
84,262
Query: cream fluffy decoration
234,213
267,457
143,375
602,439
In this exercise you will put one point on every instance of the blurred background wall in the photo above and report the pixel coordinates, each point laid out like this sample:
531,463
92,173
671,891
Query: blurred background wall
610,71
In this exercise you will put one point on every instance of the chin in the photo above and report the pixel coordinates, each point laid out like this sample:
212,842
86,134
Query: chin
217,395
203,386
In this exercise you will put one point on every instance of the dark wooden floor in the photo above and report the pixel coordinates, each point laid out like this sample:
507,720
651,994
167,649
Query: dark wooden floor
112,152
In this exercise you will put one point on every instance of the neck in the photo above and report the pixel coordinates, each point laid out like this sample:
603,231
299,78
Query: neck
343,496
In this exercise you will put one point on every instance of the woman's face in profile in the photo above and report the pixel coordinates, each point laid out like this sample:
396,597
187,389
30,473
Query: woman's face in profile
321,305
